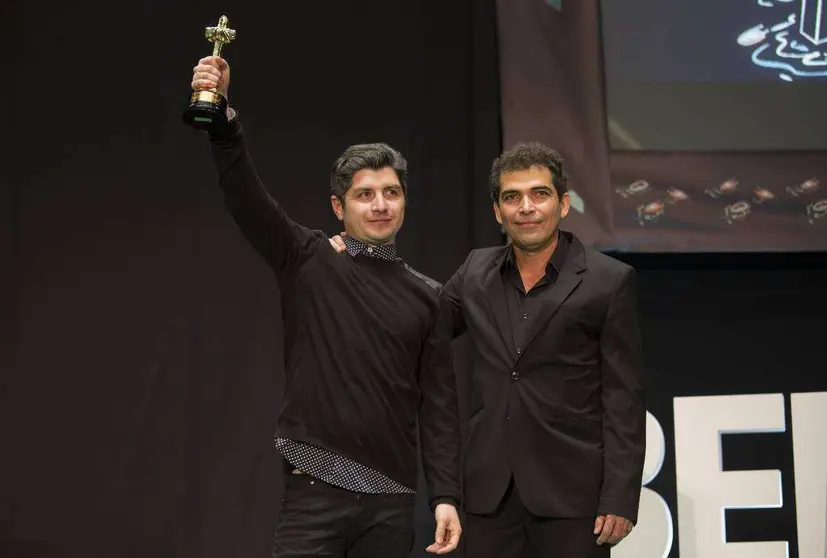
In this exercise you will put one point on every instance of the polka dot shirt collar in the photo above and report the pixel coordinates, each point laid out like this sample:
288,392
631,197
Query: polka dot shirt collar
383,252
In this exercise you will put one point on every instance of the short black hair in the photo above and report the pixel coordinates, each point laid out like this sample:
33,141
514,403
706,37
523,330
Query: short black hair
523,156
374,156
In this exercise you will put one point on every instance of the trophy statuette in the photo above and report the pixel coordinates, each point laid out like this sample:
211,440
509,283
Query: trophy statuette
208,107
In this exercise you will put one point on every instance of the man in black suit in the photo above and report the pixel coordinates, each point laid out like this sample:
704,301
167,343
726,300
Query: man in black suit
556,446
554,460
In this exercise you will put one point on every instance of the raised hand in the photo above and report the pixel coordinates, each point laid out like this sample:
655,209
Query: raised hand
211,72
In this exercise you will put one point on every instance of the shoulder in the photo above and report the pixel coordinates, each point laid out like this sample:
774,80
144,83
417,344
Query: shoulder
477,258
432,284
489,253
595,261
606,265
318,241
316,247
603,270
483,258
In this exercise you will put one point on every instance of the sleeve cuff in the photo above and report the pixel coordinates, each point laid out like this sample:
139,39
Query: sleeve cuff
230,129
444,500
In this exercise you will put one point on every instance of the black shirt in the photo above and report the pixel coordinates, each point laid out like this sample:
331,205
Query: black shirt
523,306
366,357
326,465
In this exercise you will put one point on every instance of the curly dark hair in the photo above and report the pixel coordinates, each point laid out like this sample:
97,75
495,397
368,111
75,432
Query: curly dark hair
374,156
523,156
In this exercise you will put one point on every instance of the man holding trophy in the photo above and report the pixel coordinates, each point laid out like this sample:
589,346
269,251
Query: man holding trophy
367,355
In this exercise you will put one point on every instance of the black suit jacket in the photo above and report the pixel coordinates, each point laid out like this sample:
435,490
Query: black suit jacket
566,416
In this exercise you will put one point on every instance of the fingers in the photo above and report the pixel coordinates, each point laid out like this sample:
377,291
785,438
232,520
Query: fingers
205,71
208,73
338,244
222,64
612,529
453,539
439,535
215,61
201,84
624,529
618,532
448,529
450,541
598,524
606,531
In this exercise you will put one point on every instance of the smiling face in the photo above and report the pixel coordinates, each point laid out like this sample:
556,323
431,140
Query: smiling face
373,208
529,208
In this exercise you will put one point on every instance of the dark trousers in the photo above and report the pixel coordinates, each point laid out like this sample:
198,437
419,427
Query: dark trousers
321,520
511,531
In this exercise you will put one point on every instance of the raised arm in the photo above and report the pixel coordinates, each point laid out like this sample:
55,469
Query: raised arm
282,242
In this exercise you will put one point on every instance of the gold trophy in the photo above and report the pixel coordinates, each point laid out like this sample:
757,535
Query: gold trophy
208,107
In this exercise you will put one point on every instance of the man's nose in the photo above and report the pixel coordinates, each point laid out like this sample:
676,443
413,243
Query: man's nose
379,204
525,205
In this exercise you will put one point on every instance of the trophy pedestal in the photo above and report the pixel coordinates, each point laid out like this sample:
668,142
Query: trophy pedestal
207,108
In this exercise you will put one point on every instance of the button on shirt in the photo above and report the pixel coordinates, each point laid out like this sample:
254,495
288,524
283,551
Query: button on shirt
524,306
328,466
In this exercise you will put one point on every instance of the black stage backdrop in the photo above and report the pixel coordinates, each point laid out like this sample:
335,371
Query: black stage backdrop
140,410
140,334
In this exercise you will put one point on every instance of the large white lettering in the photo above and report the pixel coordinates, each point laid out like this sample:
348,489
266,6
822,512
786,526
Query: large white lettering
705,491
810,454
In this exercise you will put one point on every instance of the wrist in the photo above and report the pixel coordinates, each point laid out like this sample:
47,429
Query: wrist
444,500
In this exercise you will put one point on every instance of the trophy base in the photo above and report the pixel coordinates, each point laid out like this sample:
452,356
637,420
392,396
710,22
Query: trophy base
207,108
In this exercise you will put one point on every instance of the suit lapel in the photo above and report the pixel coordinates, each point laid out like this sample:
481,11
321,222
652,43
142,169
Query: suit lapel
568,280
495,297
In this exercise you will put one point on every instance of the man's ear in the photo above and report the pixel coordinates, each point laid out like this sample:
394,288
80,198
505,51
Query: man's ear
497,215
336,203
565,205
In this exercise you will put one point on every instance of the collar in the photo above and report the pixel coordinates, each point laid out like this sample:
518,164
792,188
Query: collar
555,263
382,252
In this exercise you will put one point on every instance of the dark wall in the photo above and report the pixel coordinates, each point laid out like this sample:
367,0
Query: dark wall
7,318
140,413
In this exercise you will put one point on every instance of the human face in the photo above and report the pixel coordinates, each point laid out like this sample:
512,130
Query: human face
529,208
374,206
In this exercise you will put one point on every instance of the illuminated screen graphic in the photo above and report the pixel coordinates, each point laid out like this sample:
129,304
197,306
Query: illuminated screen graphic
686,125
716,75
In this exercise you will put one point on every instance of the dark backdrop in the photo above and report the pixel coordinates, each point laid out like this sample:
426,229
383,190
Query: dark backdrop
140,397
140,334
